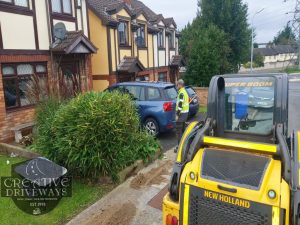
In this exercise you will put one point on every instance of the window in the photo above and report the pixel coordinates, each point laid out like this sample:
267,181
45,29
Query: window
162,77
142,78
249,105
190,91
171,39
171,93
153,94
22,3
161,39
61,6
123,33
19,83
140,40
136,92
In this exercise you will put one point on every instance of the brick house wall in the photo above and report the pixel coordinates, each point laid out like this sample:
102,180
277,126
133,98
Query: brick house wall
12,118
153,73
15,117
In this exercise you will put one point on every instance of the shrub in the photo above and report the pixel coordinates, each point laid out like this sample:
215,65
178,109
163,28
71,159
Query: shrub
42,138
94,134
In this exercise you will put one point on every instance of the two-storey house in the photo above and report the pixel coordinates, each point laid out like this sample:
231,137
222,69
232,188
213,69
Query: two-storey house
133,42
45,40
278,56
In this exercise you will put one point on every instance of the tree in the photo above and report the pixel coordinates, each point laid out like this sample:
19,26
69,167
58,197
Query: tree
208,50
231,17
258,59
217,41
285,36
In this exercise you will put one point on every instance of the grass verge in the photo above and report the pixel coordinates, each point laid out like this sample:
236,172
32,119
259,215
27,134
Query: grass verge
292,70
83,196
203,109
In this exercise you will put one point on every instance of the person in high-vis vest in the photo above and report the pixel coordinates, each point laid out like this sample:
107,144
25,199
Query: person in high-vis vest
182,109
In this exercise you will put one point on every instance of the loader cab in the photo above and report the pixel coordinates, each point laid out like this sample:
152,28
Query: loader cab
294,103
248,107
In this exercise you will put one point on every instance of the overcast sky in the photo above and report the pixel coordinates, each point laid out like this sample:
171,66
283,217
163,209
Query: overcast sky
267,23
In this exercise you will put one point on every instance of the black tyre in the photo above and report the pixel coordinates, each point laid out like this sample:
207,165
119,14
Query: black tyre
151,127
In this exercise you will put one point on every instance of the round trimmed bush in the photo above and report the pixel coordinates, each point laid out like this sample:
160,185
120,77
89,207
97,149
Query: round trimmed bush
94,134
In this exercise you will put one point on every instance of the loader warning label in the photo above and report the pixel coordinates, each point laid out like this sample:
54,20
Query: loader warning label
227,199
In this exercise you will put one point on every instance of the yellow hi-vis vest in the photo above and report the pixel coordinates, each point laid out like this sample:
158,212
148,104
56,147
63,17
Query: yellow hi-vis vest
185,101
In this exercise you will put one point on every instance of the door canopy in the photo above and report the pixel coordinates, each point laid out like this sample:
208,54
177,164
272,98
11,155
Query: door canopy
75,42
130,65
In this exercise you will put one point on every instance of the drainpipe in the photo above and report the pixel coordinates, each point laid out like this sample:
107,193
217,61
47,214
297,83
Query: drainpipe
50,41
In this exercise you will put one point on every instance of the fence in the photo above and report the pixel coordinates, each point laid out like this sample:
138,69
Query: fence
202,93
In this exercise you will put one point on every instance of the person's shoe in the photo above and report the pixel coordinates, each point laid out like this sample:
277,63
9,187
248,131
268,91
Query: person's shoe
176,149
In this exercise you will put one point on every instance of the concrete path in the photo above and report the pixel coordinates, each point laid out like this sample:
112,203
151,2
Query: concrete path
127,204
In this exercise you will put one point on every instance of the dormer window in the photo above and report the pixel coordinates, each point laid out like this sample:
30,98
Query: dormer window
140,40
161,39
123,33
22,3
61,6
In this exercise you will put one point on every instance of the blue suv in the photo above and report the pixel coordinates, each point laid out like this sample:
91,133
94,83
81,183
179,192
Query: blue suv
156,103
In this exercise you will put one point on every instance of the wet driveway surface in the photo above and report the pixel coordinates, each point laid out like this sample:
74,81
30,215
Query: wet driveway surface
169,141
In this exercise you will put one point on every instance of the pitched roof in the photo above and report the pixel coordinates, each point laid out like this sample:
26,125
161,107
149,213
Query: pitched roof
74,42
99,8
157,19
169,21
140,5
275,50
104,8
130,65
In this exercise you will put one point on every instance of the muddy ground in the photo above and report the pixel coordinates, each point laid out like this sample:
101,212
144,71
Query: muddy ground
128,203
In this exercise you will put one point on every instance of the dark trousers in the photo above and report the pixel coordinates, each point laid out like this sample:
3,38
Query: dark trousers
181,125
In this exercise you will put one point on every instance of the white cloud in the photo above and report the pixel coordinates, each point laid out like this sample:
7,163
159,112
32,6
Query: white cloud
183,11
267,23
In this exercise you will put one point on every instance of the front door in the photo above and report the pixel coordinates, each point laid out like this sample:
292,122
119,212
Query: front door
70,79
173,76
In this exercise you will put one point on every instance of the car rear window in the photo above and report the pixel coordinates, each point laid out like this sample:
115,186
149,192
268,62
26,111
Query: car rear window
190,91
171,93
153,94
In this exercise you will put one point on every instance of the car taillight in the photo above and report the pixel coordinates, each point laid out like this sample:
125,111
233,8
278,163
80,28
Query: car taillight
190,100
171,220
168,106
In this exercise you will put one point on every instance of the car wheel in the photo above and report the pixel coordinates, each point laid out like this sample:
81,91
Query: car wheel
151,127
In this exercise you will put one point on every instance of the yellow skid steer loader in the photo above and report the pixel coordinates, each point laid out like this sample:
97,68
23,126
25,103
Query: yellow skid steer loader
241,165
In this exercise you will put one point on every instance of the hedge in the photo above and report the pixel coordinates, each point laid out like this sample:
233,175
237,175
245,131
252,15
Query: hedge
94,134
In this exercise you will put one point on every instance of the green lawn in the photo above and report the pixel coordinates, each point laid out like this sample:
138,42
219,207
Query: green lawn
83,196
292,70
203,109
